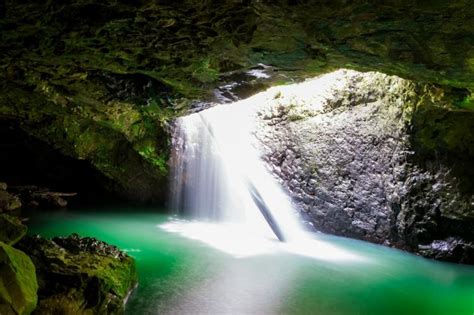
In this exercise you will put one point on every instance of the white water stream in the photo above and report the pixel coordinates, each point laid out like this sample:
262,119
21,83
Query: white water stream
218,175
218,170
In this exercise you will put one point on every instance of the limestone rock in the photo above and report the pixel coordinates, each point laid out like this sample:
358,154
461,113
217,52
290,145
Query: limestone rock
375,157
18,283
80,275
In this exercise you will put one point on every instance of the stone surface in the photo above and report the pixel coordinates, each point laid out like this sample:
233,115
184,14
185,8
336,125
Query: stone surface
38,197
375,157
11,229
451,249
9,202
18,283
100,81
80,275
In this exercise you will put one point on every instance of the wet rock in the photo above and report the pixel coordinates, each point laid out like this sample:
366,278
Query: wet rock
377,157
18,283
11,229
34,197
80,275
451,249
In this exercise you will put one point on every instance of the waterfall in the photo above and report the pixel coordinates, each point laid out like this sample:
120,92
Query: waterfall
224,194
218,174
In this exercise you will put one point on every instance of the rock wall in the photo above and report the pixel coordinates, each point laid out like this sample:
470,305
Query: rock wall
378,158
65,275
100,81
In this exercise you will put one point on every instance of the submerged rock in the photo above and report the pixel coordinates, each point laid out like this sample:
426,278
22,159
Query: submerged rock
18,283
11,229
376,157
80,275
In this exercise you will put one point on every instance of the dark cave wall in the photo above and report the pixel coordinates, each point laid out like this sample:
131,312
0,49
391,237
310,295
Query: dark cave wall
100,81
26,160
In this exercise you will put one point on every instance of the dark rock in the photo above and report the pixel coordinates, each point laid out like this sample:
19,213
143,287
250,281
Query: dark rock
18,283
79,275
28,160
451,249
9,202
11,229
34,197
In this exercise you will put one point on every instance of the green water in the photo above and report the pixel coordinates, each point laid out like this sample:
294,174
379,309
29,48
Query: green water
178,275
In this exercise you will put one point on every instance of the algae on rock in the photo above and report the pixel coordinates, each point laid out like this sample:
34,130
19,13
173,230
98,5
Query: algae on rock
80,275
18,283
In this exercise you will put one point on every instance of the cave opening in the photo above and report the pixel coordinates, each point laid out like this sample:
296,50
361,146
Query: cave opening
27,161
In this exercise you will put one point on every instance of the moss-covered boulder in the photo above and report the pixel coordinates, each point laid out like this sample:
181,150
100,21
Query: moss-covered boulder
18,283
11,229
80,275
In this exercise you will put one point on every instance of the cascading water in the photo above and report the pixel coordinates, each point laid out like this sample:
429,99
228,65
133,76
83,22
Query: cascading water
222,184
218,174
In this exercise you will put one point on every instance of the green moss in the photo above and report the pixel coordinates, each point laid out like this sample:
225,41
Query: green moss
295,117
12,230
204,72
89,276
53,52
18,283
466,103
148,151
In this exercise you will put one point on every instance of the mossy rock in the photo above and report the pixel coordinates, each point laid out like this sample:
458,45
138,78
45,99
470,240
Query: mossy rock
80,275
8,202
18,285
11,229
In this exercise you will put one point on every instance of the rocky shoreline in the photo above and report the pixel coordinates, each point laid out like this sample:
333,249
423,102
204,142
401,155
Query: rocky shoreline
64,275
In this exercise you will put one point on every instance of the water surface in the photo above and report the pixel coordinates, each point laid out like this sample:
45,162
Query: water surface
183,273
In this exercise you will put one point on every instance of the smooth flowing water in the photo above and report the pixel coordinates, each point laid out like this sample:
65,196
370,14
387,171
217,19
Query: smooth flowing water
218,174
182,275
